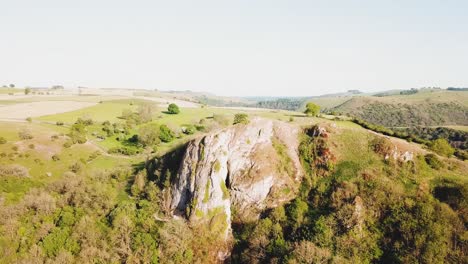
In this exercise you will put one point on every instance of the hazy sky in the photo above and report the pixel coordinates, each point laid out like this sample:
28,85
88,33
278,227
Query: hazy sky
235,47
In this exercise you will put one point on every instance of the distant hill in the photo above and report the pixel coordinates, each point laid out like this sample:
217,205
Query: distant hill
425,108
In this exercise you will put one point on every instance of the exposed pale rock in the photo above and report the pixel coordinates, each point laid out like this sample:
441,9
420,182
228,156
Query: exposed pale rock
243,169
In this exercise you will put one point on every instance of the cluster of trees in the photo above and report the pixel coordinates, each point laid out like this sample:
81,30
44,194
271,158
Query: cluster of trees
144,114
439,145
458,139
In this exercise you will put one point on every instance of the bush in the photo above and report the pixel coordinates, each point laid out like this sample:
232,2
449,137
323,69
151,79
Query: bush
67,144
189,130
173,109
123,151
148,135
29,119
76,167
59,123
55,157
146,112
461,154
241,118
32,146
78,132
433,161
166,134
442,147
2,140
14,170
381,145
25,134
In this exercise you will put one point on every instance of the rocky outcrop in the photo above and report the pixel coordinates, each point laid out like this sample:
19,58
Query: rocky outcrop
237,172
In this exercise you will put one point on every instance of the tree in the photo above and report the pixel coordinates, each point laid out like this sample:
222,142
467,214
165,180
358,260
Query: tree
27,90
145,112
312,109
149,135
241,118
173,109
442,147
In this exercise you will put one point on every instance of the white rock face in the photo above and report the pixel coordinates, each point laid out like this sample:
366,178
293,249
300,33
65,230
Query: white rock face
244,168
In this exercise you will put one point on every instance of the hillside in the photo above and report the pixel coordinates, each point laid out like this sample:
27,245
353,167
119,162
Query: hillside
125,180
421,109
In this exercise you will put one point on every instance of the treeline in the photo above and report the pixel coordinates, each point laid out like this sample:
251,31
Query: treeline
282,103
457,89
441,140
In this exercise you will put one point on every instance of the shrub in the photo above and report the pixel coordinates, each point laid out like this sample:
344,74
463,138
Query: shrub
442,147
146,112
76,167
124,151
173,109
29,119
2,140
14,170
59,123
25,134
381,145
241,118
78,132
433,161
461,154
55,157
67,144
189,130
148,135
166,134
31,146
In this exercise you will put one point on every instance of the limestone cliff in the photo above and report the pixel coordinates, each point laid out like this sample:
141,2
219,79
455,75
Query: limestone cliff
237,172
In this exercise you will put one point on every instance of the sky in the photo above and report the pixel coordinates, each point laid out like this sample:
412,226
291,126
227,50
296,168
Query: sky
238,47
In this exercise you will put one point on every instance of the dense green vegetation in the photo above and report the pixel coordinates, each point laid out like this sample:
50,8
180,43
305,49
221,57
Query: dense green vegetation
312,109
346,212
